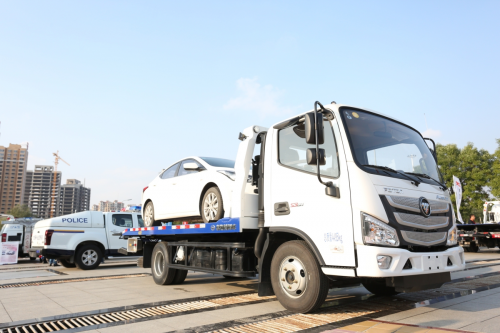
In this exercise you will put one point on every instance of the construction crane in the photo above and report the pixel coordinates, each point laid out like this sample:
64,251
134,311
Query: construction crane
52,201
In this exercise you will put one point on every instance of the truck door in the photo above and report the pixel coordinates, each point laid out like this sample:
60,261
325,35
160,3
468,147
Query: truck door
297,200
118,223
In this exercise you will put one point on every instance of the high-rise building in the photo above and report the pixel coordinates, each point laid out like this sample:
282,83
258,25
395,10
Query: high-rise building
95,208
110,206
74,198
42,185
13,161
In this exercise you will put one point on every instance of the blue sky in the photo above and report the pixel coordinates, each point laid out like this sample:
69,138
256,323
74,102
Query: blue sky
124,88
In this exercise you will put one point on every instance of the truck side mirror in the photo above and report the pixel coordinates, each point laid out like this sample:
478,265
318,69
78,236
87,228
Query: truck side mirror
312,157
310,128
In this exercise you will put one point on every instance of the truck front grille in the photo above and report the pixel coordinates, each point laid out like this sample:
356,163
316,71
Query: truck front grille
412,204
418,221
423,238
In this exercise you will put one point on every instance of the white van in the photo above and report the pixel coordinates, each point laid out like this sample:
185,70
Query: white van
18,230
83,239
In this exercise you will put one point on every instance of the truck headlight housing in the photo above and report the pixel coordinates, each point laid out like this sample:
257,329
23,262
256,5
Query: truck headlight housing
452,236
377,232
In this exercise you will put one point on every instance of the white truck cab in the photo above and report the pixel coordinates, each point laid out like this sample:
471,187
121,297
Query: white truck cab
83,239
341,194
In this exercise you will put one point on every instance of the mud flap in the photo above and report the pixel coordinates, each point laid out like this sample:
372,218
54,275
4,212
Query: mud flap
418,282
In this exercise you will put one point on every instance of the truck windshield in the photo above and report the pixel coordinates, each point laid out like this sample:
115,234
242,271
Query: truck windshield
378,141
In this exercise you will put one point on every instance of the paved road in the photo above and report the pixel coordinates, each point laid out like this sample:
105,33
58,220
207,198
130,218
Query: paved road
208,302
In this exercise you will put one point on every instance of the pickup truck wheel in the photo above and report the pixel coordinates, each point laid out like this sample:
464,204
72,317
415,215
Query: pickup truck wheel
149,216
162,274
377,286
212,208
297,279
66,263
88,257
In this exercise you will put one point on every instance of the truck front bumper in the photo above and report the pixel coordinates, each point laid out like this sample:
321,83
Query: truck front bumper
420,262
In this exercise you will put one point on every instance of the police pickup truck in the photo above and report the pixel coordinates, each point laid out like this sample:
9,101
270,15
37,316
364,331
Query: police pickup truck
82,239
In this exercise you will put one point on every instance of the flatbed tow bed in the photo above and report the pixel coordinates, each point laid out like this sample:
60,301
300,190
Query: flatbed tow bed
472,236
223,226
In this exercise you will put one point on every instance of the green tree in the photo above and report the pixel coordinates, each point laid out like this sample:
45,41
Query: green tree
495,169
473,167
20,211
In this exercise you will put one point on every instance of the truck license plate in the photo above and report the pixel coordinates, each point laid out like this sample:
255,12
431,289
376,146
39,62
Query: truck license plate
432,263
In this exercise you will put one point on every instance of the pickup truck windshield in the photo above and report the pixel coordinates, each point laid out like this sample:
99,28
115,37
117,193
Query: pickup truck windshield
378,141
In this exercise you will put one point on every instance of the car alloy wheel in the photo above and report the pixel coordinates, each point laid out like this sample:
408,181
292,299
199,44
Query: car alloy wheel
89,257
211,207
149,215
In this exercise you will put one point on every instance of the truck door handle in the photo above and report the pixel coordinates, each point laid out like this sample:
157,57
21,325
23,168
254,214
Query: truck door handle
281,208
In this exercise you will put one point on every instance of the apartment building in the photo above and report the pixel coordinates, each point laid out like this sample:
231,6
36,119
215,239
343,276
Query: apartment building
110,206
95,208
13,161
42,186
74,197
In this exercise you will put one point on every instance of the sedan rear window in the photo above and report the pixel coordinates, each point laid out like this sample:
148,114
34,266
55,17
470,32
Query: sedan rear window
219,162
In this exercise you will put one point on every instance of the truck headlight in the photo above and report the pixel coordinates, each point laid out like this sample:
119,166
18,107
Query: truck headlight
452,236
377,232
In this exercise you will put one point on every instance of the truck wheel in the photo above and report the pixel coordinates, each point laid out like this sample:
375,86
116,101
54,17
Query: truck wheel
162,274
212,208
32,259
474,249
88,257
377,286
297,279
66,263
149,215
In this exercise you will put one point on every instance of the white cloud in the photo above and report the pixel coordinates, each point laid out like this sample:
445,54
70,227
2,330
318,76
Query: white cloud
255,97
431,133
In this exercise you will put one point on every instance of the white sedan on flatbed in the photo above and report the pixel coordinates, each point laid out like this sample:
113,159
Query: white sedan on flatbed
194,187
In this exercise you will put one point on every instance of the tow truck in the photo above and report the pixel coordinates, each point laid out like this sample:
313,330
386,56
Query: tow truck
339,195
487,234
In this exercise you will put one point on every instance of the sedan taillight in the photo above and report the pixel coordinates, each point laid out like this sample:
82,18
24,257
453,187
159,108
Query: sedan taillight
144,189
48,236
4,238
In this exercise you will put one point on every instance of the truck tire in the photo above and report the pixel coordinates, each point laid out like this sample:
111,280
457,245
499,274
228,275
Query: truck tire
162,275
32,259
297,279
180,276
66,263
377,286
149,215
89,256
474,249
212,207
